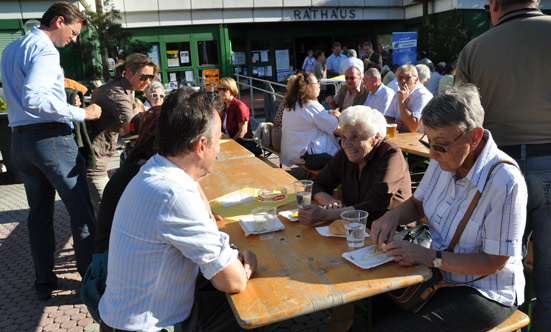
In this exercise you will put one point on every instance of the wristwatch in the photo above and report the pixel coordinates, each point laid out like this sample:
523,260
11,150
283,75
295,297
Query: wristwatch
437,261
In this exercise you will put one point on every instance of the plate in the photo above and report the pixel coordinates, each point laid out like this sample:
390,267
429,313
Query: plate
367,258
324,230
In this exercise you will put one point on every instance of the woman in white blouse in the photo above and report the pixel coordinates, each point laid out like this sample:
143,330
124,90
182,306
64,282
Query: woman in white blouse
462,154
307,127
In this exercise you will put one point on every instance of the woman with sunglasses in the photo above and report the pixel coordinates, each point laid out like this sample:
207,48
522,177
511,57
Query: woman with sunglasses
155,94
116,99
484,269
235,116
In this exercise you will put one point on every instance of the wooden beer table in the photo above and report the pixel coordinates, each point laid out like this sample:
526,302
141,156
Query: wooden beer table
299,271
230,149
409,142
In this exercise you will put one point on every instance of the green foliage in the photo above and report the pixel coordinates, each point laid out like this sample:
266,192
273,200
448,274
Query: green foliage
3,106
106,32
444,41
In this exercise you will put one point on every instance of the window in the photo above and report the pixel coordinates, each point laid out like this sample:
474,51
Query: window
208,52
178,54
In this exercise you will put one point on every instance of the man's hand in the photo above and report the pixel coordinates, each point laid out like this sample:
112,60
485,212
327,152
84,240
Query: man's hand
248,259
335,113
403,94
78,102
311,214
92,112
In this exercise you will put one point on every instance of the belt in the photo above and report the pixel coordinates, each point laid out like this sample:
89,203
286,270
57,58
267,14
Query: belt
39,127
532,150
107,328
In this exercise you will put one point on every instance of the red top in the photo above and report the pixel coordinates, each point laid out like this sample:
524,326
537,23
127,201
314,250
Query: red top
237,112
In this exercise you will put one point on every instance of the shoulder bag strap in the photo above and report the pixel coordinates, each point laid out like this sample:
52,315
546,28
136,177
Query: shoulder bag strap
468,214
470,210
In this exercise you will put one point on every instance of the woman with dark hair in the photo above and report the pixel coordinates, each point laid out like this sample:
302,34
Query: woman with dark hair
116,100
307,127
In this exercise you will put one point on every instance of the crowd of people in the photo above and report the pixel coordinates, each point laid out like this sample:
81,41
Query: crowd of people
169,265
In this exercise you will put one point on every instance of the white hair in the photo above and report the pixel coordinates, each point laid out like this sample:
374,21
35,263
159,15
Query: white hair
372,120
152,86
424,73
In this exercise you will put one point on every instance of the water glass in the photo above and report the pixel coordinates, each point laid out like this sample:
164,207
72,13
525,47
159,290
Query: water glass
303,190
354,223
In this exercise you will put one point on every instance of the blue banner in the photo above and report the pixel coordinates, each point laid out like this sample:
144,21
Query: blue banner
404,45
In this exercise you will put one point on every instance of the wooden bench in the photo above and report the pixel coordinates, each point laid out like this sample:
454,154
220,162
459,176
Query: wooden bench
518,320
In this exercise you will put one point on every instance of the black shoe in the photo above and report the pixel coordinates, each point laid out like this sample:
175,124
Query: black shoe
44,292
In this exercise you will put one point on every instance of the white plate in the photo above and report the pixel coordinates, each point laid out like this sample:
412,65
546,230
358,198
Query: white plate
324,230
247,224
366,258
287,214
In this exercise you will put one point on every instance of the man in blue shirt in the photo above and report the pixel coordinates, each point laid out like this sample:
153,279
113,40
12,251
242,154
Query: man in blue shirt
43,148
334,60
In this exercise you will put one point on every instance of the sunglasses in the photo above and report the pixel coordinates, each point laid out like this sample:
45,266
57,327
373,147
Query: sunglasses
145,77
157,96
439,147
348,78
223,89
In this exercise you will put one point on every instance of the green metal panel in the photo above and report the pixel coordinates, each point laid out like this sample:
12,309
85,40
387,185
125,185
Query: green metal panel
11,24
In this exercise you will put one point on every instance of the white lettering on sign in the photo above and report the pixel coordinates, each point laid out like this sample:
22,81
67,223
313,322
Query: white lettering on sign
325,14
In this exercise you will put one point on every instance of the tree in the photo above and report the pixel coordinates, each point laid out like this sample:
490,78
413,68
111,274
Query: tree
444,42
114,41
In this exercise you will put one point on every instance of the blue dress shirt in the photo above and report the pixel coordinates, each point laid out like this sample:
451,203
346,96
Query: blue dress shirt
33,82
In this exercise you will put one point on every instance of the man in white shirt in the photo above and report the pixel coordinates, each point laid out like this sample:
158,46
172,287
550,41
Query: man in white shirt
380,96
163,233
352,61
408,103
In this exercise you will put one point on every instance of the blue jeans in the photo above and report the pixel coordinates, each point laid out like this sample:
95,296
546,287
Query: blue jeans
49,161
537,172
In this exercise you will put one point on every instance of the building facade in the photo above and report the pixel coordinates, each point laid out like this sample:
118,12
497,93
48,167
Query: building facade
261,38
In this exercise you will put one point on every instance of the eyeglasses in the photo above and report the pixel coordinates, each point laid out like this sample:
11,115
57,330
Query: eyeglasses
157,96
223,89
73,31
145,77
439,147
351,77
406,78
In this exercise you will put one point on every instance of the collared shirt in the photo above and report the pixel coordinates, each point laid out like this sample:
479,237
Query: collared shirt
307,129
352,62
381,99
495,227
348,97
383,183
33,82
393,84
416,101
233,115
334,63
432,84
161,236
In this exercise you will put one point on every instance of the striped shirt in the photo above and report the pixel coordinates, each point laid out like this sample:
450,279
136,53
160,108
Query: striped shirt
381,99
162,235
495,227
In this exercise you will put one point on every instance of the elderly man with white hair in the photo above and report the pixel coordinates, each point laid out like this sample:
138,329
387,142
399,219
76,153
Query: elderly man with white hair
380,96
352,61
371,170
424,73
409,101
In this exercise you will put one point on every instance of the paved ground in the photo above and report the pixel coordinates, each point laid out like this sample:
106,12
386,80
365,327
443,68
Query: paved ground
20,310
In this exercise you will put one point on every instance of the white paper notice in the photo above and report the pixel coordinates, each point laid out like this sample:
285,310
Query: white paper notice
269,71
264,56
282,60
189,76
184,57
172,77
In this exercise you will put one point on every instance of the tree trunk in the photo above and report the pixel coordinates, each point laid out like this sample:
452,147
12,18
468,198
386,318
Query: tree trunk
102,47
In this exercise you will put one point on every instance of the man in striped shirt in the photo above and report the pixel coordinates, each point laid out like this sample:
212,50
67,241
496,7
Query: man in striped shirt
163,233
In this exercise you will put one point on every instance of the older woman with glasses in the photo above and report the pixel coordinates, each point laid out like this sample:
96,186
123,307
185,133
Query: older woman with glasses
235,116
155,94
116,100
307,127
371,171
485,266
